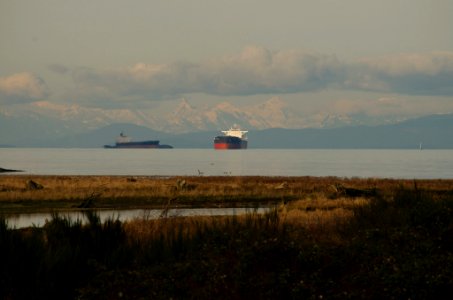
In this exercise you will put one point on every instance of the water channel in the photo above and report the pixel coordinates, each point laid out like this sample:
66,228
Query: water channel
39,219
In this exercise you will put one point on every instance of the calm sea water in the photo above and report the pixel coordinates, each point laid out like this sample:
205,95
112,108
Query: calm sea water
412,164
409,164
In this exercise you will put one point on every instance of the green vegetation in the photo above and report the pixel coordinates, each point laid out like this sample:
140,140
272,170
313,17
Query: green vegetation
395,243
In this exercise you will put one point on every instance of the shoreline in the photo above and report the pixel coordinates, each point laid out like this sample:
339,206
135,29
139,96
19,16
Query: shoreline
21,193
323,238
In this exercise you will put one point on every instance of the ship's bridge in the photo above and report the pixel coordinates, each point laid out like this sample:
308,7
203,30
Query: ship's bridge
236,132
123,139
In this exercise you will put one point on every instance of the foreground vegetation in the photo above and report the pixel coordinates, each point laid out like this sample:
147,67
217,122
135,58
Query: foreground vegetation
388,239
31,193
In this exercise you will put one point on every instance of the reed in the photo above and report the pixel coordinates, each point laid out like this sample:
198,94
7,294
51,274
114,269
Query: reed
323,243
69,192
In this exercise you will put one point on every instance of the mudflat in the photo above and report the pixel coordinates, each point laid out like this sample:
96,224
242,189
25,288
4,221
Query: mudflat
32,193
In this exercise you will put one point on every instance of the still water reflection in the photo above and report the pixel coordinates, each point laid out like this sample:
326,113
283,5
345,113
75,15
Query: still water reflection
39,219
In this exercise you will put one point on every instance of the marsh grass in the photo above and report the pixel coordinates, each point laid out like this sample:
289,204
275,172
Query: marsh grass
396,244
69,192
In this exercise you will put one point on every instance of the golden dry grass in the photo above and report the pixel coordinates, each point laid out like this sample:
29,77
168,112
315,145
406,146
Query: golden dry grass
318,216
321,239
308,193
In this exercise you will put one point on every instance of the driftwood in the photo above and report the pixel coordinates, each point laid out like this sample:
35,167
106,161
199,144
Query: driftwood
282,186
341,190
182,185
32,185
88,202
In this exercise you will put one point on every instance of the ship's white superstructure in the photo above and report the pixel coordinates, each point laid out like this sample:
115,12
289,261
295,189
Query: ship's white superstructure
236,131
123,139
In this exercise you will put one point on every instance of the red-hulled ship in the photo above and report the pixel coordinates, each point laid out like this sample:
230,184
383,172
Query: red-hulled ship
235,138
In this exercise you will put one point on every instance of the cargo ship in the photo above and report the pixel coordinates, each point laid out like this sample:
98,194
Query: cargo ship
235,138
125,142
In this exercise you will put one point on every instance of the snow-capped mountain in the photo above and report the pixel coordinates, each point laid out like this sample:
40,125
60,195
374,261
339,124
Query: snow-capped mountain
26,121
273,113
45,124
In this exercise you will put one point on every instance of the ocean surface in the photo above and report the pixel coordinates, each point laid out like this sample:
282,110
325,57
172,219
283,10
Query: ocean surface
408,164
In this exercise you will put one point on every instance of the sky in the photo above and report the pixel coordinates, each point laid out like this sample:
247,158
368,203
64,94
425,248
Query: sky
387,57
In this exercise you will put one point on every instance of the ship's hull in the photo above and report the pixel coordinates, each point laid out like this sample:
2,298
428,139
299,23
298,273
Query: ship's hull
135,145
229,142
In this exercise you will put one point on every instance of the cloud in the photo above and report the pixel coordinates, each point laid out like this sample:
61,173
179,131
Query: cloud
257,70
21,88
411,74
59,69
254,71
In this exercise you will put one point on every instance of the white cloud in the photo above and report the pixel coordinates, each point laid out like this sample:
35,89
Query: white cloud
430,64
254,71
22,87
257,70
412,74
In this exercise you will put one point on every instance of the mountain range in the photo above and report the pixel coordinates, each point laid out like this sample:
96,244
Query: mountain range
272,124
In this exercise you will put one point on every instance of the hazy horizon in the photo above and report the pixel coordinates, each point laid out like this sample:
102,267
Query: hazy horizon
386,58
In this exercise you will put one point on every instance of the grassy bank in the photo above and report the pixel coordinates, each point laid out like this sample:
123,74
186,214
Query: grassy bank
28,193
337,238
